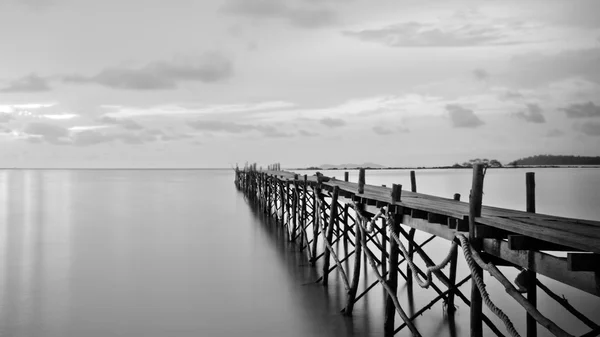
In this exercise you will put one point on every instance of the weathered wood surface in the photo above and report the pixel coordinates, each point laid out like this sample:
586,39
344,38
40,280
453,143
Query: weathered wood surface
575,233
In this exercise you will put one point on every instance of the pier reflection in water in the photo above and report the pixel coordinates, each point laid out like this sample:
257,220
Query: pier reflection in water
180,253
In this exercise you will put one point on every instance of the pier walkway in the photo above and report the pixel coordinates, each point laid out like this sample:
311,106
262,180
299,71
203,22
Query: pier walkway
314,208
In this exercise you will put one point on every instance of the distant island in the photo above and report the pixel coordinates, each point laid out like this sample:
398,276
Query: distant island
547,160
532,161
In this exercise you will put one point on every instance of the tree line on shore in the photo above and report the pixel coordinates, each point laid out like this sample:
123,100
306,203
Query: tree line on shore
538,160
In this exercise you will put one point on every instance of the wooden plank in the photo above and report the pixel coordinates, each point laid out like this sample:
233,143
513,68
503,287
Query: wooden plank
418,214
575,233
583,262
551,266
544,234
522,242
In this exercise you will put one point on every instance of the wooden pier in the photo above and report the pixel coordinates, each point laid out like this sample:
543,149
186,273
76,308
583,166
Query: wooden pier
319,210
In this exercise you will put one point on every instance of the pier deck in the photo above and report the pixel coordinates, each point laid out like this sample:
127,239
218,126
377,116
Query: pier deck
319,208
580,235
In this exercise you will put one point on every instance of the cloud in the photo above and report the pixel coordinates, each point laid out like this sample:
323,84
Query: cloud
236,128
380,130
300,16
209,68
5,117
29,83
219,126
582,110
481,75
591,129
532,115
462,117
307,133
536,68
463,32
51,133
90,137
125,123
554,133
511,96
384,131
332,122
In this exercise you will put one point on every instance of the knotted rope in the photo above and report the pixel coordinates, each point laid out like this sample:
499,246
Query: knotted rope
468,252
428,279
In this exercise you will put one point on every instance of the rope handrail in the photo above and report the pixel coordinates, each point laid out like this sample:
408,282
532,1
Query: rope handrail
428,278
472,258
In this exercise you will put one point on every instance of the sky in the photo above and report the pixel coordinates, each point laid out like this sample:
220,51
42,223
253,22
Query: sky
198,83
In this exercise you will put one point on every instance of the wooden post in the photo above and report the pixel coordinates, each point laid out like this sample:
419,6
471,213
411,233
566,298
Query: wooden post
413,181
288,207
453,260
295,209
411,232
383,247
361,181
316,223
346,176
475,202
282,202
531,275
356,272
268,191
329,234
304,214
346,227
390,309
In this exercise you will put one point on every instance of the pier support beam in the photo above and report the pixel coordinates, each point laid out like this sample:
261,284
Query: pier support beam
411,232
531,275
390,309
347,311
450,308
475,202
329,235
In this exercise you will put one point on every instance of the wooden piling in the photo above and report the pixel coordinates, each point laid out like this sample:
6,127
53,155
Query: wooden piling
347,311
450,307
361,181
329,235
531,275
384,252
411,233
295,196
413,181
282,202
316,223
390,309
475,203
346,176
346,227
304,214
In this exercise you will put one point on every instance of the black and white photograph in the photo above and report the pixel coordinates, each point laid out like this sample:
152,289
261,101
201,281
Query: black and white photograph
376,168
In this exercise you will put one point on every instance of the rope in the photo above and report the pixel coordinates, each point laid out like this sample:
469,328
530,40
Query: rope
466,247
428,279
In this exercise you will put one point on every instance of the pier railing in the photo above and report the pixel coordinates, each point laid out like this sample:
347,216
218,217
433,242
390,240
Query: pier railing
322,208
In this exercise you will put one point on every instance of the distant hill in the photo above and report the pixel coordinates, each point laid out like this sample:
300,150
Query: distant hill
350,166
556,160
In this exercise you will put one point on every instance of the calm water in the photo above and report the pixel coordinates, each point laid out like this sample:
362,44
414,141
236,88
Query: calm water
180,253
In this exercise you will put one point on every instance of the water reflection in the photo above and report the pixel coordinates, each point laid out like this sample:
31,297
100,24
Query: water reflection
180,253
